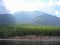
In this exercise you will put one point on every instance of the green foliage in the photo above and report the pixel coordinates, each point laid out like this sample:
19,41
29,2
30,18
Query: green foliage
28,29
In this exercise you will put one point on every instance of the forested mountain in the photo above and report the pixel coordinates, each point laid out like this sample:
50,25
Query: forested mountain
36,17
6,19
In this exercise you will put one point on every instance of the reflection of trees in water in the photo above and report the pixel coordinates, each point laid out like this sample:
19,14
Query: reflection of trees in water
28,43
7,43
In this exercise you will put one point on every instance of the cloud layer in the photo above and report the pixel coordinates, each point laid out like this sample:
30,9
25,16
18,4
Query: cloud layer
18,5
48,6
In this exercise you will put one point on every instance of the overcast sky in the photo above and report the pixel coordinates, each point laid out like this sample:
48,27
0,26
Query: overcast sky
33,5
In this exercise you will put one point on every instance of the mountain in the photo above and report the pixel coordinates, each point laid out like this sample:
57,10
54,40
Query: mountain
36,17
6,19
22,17
47,20
26,16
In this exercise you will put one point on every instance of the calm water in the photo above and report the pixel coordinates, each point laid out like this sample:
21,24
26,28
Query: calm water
29,43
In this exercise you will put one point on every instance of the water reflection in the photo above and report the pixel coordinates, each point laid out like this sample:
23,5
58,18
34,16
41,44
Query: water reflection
29,43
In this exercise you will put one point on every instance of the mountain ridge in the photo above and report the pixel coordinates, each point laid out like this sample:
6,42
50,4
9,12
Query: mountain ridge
26,17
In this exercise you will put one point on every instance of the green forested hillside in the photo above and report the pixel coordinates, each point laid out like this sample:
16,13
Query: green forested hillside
28,29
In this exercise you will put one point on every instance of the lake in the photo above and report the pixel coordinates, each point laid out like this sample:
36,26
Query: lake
10,42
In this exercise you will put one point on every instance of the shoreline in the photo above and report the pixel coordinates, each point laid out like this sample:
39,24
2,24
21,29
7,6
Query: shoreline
51,39
29,39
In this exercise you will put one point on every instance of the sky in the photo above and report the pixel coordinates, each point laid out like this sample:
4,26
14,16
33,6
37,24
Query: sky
48,6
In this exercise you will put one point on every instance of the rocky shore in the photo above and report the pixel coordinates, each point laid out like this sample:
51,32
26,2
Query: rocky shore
33,38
